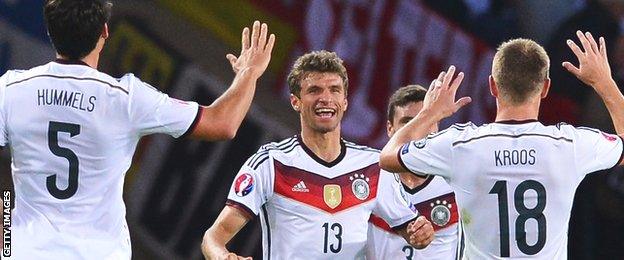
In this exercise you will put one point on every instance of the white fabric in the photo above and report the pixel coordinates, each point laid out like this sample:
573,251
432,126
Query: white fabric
293,219
484,163
98,122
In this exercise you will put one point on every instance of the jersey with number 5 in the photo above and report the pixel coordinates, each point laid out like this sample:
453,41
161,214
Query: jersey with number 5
72,132
514,181
312,209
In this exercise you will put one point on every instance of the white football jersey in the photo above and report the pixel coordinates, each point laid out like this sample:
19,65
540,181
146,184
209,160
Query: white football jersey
514,181
433,199
312,209
72,131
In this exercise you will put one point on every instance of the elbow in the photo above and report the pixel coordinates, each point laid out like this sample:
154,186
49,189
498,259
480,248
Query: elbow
385,161
229,132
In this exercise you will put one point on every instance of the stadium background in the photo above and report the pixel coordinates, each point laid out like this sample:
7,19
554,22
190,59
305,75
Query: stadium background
176,188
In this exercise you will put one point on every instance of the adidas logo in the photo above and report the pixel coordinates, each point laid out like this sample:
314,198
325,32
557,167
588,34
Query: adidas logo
300,187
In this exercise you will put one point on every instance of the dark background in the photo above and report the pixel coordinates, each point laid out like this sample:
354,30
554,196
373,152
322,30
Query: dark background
176,188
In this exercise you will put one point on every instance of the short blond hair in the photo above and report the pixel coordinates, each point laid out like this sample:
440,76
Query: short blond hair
519,69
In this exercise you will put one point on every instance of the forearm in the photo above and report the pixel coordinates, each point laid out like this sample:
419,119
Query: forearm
224,116
212,245
614,101
418,128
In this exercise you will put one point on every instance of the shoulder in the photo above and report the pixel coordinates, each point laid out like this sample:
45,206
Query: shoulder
284,147
455,130
361,148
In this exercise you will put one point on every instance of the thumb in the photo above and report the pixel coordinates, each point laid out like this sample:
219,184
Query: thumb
231,58
571,68
462,102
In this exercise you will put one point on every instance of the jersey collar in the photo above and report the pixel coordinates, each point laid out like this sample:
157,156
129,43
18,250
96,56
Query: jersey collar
71,62
516,122
343,152
419,187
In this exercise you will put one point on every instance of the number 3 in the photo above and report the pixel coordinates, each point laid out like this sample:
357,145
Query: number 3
53,129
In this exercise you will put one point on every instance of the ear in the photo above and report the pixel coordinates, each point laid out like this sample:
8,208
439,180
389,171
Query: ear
545,88
389,128
493,87
105,33
295,102
346,103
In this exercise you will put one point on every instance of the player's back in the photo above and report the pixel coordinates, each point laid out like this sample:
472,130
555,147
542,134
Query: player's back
72,132
515,184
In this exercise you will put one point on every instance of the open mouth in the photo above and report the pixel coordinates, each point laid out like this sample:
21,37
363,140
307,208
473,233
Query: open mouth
325,112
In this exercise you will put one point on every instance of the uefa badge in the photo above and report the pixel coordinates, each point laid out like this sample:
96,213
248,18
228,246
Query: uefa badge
359,186
243,185
421,143
441,213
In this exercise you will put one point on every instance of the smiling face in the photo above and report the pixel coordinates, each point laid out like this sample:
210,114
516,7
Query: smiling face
322,101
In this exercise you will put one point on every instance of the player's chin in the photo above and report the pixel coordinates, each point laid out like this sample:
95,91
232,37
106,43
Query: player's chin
325,128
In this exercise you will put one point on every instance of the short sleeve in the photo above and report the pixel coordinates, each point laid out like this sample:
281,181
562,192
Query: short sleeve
250,189
430,155
152,111
392,205
4,138
595,150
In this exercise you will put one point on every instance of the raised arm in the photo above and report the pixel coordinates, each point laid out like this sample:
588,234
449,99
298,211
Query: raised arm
221,119
439,103
230,221
594,70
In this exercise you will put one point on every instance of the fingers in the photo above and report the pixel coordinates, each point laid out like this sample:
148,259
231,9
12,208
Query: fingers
575,49
421,232
571,68
263,36
449,76
603,47
458,80
584,41
269,46
245,39
255,34
592,43
462,102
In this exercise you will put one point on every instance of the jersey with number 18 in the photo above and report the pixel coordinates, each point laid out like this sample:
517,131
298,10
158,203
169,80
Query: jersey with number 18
514,181
72,131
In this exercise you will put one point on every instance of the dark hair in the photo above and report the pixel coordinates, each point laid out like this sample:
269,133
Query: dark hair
74,26
316,61
403,96
519,69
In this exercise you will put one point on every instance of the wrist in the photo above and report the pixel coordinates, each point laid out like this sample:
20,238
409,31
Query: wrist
429,117
605,86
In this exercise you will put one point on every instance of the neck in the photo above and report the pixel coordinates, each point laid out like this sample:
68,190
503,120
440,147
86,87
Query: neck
526,111
410,180
91,59
325,145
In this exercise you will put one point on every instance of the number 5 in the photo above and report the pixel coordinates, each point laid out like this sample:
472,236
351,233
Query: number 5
53,129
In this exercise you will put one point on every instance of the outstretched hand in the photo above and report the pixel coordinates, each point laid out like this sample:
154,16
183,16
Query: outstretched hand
440,98
255,51
593,66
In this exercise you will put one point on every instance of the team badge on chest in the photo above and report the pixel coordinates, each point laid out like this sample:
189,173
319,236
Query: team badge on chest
441,213
359,186
332,195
